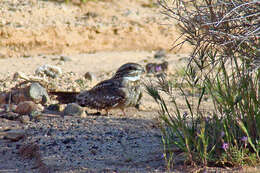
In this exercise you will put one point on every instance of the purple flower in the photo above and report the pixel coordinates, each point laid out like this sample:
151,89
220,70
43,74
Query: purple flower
222,134
207,119
244,139
225,146
185,115
158,68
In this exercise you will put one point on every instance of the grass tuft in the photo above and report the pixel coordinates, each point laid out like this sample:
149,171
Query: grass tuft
224,66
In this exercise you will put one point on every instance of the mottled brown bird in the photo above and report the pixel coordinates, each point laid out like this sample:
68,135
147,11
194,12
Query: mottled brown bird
120,91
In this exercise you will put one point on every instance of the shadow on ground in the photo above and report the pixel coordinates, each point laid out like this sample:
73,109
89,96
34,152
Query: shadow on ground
93,144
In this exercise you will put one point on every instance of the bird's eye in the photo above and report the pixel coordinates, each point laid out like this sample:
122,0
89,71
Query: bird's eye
131,68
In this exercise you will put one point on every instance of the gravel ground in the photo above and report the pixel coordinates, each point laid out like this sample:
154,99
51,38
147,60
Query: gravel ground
93,144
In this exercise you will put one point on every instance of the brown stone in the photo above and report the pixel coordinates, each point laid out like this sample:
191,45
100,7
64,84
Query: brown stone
26,108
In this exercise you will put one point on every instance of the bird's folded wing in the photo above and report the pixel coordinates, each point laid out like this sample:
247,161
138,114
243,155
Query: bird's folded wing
106,94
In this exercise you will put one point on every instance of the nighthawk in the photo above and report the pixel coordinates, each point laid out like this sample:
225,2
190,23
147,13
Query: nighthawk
120,91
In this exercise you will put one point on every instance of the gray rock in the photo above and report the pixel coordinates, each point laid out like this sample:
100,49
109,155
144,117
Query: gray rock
65,58
160,54
49,70
37,92
74,109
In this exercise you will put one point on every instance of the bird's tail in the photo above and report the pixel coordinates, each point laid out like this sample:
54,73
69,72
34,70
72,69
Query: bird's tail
65,97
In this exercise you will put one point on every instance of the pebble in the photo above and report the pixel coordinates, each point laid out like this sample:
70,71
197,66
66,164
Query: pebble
90,76
65,58
48,70
74,109
160,54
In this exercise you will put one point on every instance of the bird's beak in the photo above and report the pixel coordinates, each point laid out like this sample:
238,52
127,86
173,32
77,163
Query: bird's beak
143,71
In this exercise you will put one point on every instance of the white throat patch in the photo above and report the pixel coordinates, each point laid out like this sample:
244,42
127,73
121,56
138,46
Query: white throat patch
134,78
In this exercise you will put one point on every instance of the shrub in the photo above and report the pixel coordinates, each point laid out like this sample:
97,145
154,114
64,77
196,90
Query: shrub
225,38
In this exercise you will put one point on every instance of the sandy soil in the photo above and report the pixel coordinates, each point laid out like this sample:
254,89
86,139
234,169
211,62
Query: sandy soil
31,27
99,62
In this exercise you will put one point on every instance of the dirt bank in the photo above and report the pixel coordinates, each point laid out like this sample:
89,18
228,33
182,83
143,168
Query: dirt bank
31,27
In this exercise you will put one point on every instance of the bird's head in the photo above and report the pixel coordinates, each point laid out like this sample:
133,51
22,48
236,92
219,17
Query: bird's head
130,72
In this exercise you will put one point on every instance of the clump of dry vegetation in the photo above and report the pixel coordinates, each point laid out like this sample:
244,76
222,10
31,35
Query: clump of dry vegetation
225,65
